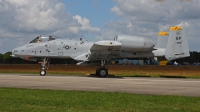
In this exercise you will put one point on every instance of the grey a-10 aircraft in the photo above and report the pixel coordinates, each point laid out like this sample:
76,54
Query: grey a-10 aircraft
170,46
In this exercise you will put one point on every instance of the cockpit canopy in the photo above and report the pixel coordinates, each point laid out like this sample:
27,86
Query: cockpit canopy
42,38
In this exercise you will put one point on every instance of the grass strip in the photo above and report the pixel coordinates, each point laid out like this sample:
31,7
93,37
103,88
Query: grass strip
114,70
33,100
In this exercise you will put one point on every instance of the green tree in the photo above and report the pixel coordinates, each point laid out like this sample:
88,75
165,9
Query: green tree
1,58
7,57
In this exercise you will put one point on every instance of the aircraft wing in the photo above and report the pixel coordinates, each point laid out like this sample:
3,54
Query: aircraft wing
101,50
106,45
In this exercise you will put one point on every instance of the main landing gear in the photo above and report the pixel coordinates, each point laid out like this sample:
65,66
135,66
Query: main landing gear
45,62
102,71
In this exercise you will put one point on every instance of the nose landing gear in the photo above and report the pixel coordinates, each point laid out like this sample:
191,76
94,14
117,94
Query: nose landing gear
42,72
45,62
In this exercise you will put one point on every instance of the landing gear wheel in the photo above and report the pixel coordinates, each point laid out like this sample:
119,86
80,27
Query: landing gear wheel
45,61
42,72
102,72
97,71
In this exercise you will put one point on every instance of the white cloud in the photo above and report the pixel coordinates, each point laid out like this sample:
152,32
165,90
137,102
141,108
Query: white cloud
129,25
85,24
148,17
82,21
18,2
25,19
164,27
22,20
184,24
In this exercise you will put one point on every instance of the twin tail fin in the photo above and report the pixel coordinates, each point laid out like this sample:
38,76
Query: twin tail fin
177,45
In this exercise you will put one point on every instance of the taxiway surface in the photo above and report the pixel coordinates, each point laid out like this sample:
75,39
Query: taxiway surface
155,86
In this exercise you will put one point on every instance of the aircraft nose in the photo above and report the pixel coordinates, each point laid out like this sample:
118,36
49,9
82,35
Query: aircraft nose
14,52
17,52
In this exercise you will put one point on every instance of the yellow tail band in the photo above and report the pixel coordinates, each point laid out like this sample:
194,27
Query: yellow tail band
175,28
163,34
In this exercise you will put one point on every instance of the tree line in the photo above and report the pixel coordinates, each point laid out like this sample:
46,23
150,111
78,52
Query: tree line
7,59
193,59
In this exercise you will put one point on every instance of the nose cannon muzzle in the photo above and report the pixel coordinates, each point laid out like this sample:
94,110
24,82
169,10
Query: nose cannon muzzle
14,53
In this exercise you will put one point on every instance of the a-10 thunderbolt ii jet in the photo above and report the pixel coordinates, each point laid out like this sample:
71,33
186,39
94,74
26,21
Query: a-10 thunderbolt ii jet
170,46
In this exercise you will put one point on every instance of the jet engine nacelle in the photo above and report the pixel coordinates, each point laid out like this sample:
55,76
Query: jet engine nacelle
135,43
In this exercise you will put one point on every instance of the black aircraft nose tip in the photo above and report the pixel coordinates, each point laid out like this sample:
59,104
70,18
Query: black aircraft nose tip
14,52
12,55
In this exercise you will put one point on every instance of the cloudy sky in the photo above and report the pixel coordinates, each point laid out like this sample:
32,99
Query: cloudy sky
23,20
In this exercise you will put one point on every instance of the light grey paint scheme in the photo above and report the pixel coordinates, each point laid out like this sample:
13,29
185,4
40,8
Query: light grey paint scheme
177,47
124,46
